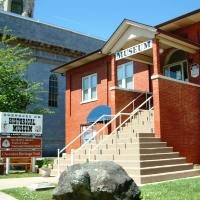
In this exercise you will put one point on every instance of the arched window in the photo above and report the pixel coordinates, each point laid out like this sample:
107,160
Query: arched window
17,6
53,91
176,65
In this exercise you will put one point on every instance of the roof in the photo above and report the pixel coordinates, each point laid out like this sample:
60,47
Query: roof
126,23
30,29
79,61
181,21
158,31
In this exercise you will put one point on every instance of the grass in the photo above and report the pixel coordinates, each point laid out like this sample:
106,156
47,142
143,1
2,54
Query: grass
188,189
19,175
24,194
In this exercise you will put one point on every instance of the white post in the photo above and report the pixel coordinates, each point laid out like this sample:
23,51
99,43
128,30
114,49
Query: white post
72,156
58,163
33,160
7,165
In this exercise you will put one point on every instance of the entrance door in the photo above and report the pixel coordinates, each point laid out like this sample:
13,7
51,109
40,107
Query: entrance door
88,134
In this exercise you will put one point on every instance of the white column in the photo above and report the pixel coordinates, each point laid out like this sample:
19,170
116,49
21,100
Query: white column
7,165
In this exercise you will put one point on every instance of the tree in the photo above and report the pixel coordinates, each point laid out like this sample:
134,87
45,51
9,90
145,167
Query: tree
16,93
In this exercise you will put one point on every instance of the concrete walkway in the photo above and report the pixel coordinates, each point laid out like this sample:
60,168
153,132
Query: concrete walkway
22,182
4,196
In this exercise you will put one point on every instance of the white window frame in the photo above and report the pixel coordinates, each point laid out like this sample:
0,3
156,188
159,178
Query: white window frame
89,89
124,79
182,69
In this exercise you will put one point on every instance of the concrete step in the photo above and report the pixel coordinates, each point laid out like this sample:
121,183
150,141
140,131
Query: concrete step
129,145
155,150
159,156
167,176
152,145
158,169
112,140
130,150
151,163
161,162
130,156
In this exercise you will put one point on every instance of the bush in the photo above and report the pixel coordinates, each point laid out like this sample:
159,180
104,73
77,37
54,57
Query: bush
44,162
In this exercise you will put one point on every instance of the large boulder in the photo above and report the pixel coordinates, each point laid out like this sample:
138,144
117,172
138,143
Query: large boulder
104,180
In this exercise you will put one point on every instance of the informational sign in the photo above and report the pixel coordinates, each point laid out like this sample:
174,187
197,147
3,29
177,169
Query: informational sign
20,123
18,143
134,50
20,153
194,70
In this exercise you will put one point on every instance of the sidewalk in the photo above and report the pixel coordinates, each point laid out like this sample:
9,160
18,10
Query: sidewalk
22,182
4,196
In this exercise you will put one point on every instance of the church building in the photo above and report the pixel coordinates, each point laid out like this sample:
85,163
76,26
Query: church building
51,46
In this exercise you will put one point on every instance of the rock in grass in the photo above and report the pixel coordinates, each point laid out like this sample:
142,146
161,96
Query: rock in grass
104,180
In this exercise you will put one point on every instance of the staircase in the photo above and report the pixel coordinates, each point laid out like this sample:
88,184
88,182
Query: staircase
133,146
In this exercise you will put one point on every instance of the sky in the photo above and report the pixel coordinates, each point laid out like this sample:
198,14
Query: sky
101,18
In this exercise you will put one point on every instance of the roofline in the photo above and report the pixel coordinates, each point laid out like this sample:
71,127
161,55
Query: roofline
47,24
75,60
177,18
178,37
126,22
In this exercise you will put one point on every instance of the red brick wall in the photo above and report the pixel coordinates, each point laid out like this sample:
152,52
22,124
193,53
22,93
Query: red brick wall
177,116
106,69
77,112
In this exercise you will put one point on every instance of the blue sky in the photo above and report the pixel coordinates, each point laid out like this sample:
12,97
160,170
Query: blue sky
100,18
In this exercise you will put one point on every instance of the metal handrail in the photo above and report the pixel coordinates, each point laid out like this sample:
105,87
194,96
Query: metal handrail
130,116
82,133
116,116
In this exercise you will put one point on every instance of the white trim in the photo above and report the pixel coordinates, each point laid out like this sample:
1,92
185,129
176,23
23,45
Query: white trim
88,101
128,90
124,77
158,76
89,89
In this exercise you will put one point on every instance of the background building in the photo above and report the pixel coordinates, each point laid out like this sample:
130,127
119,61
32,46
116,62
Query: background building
52,46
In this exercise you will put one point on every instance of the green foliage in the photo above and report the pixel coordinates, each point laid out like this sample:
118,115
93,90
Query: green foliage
17,94
19,175
24,194
44,162
185,189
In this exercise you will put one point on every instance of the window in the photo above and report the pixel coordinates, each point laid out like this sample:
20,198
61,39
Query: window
53,91
177,66
17,6
125,75
89,88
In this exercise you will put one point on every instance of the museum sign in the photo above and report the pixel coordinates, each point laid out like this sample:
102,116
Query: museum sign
14,123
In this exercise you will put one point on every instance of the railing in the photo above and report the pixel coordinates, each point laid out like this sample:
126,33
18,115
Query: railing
131,116
116,122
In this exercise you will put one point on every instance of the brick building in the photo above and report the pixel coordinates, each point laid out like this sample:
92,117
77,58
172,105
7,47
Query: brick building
162,61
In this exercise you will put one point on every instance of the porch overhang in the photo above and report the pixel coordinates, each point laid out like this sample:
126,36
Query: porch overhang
170,40
131,34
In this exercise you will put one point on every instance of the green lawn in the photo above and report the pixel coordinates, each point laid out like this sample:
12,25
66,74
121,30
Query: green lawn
19,175
188,189
25,194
